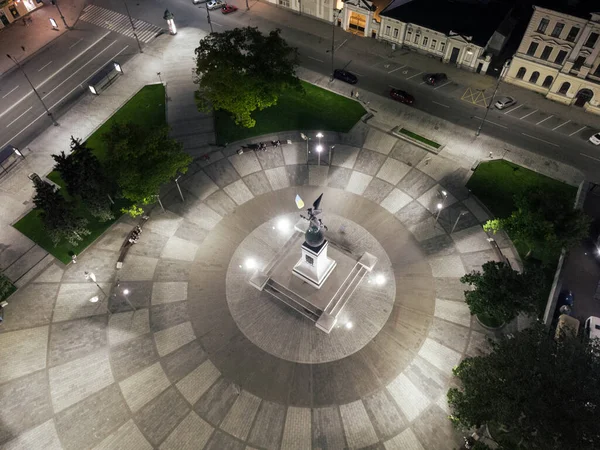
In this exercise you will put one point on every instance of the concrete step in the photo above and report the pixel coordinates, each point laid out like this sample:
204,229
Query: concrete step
25,263
300,303
35,270
346,290
292,304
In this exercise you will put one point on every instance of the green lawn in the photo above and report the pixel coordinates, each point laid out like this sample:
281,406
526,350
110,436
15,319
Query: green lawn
418,137
146,108
313,109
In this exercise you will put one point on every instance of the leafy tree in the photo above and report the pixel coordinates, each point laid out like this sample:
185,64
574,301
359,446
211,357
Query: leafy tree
502,293
545,221
242,70
58,216
545,393
84,176
141,162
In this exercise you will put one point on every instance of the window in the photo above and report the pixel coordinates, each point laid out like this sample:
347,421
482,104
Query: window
13,11
591,40
597,71
532,49
425,41
534,77
558,28
408,35
579,62
573,32
542,26
388,30
521,73
416,40
442,46
564,88
285,3
546,52
433,44
395,33
560,58
548,81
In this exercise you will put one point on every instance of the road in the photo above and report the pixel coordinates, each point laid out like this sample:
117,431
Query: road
61,70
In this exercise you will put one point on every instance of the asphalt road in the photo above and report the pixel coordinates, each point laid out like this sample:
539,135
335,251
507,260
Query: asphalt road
60,72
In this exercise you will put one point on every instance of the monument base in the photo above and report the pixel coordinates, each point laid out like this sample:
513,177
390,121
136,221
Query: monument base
314,266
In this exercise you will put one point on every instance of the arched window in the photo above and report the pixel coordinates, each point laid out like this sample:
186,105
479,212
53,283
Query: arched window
548,81
534,77
564,88
521,73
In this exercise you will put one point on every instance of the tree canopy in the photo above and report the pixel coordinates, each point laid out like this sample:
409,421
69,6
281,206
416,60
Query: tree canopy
545,393
544,220
140,162
502,293
242,70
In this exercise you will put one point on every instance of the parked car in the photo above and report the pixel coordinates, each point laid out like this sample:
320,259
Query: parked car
228,9
592,327
215,4
505,102
402,96
434,79
197,2
345,76
595,139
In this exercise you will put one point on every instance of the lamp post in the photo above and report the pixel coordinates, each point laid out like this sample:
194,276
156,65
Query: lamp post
487,110
34,89
439,210
462,213
333,40
91,276
319,150
208,17
305,138
133,27
179,188
169,17
55,3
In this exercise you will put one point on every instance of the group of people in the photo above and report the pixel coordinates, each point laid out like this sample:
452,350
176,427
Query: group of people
135,235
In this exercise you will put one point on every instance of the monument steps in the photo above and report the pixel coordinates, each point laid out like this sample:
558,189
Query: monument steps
346,290
292,300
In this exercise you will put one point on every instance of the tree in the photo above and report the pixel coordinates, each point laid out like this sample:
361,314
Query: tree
84,176
141,162
545,221
242,70
502,293
58,216
545,393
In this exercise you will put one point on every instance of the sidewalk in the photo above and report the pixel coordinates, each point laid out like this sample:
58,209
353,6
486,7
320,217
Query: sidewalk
38,34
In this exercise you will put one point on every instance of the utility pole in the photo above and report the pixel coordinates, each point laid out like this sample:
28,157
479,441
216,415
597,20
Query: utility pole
208,17
133,27
55,3
487,110
247,6
54,122
333,40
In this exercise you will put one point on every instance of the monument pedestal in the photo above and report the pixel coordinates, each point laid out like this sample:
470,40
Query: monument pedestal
314,266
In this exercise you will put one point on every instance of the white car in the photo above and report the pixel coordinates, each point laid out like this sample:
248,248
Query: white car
595,139
505,102
592,327
215,4
196,2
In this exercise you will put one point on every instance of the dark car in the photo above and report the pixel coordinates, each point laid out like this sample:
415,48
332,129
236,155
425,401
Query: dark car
434,79
345,76
402,96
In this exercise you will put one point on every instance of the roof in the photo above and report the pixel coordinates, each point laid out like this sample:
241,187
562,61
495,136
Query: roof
577,8
478,19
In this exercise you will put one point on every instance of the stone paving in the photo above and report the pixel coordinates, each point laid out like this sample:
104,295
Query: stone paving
179,374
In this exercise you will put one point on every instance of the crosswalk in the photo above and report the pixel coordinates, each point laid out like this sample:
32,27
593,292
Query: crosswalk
119,23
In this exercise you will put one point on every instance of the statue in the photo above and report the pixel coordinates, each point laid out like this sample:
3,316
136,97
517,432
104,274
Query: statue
314,235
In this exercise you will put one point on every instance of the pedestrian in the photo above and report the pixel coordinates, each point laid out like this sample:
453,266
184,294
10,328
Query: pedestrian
352,93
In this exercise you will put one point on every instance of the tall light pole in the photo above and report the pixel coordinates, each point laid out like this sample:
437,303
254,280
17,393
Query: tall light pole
179,188
462,213
55,3
208,17
133,27
305,138
319,150
487,110
333,40
34,89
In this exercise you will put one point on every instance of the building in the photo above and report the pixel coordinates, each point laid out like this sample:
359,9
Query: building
559,57
320,9
13,10
466,33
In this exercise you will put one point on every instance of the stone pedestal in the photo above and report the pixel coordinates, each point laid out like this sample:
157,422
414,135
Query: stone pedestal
314,266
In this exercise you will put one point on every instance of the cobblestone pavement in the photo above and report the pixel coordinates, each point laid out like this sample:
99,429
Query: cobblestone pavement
179,374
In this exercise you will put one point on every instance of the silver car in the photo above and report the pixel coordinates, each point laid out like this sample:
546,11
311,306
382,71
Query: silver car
215,4
505,102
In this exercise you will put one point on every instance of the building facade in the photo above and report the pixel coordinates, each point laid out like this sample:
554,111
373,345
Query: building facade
559,57
320,9
13,10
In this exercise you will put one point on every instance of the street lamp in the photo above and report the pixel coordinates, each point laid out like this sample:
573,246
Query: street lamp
91,276
462,213
305,138
55,3
487,109
133,27
319,150
95,299
169,17
439,210
333,40
208,17
34,89
179,188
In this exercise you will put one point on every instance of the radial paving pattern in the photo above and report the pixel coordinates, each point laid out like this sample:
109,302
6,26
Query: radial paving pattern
179,373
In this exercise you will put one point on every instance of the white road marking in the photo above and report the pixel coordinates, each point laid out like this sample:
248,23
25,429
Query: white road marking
414,75
575,132
73,45
26,111
39,70
217,24
588,156
538,139
441,104
359,74
11,91
315,59
340,46
397,68
493,123
514,109
557,127
543,120
448,82
527,115
53,75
